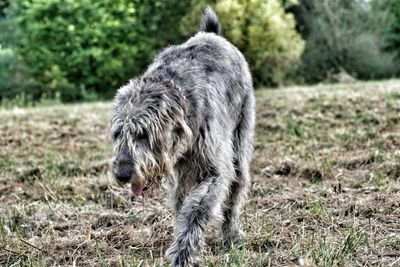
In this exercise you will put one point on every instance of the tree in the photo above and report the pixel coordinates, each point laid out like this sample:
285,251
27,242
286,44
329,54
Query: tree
343,35
394,32
15,78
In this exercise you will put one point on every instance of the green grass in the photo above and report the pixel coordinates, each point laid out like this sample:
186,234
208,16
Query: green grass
325,191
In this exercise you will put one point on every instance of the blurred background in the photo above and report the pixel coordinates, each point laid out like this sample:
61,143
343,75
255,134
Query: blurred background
83,50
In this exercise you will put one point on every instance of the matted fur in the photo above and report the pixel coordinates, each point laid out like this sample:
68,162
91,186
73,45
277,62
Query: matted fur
190,117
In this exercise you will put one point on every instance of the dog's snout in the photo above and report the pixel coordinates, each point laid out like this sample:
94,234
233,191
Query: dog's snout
123,177
123,172
123,166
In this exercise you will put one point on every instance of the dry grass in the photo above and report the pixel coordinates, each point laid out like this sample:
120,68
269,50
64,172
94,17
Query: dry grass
326,186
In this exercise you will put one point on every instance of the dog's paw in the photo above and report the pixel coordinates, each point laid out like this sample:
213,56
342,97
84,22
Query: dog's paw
178,257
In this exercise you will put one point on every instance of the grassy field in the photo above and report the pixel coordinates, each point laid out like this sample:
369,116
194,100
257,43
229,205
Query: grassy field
325,191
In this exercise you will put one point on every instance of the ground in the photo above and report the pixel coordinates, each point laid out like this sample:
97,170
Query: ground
325,191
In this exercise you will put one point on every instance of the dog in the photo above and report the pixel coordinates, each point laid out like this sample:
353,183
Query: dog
190,119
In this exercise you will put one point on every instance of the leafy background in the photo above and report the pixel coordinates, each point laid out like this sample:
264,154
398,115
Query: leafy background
84,50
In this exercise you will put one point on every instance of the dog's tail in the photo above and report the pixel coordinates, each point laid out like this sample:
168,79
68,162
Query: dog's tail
210,22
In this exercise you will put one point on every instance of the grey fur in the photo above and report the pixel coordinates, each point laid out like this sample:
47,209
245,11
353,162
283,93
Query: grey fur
190,117
210,22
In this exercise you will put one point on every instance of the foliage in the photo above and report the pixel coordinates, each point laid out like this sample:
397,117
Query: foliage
262,31
266,35
343,35
87,49
84,50
8,29
288,3
394,34
14,75
4,4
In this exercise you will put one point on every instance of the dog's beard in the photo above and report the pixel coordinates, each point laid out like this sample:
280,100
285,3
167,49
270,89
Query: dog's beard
145,179
153,176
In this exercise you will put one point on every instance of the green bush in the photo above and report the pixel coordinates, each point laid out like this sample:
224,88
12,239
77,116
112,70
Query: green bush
4,5
86,49
344,36
394,32
14,76
262,31
266,35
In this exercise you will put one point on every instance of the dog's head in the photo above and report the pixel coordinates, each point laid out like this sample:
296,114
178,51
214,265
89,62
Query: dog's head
149,131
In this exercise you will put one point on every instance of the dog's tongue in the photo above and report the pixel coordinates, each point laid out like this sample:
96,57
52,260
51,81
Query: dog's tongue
136,190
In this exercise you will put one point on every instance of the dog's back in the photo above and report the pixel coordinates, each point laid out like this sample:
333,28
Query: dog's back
207,63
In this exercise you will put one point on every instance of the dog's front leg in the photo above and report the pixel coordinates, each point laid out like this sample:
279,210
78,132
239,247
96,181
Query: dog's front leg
200,206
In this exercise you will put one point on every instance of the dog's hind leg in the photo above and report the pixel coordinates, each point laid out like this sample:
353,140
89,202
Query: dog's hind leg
201,206
243,138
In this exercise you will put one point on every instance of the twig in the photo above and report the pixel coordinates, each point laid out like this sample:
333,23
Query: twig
19,254
395,253
11,251
29,244
73,253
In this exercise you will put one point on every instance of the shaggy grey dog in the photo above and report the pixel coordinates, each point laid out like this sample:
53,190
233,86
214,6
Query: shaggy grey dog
190,119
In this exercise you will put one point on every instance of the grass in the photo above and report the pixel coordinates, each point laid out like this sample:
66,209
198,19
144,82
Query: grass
325,191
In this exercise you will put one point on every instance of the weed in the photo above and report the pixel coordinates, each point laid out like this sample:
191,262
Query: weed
317,209
327,254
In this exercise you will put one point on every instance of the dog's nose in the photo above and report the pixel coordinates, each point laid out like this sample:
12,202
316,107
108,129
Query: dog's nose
123,177
123,173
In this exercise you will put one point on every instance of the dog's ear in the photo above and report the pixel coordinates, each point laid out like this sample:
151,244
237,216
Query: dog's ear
122,98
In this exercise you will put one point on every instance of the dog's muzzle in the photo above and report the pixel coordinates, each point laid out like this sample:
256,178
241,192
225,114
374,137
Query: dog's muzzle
123,172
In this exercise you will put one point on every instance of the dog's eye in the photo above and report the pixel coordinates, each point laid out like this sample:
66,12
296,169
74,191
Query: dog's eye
116,134
142,136
179,132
